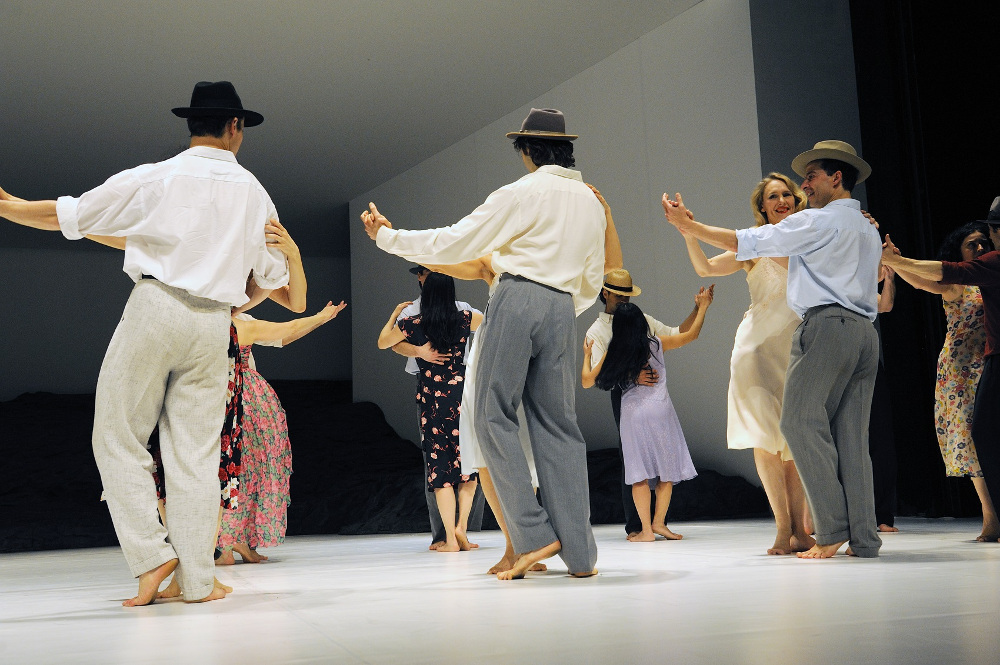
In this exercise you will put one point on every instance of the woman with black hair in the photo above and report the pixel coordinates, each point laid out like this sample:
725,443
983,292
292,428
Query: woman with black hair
439,395
961,364
652,440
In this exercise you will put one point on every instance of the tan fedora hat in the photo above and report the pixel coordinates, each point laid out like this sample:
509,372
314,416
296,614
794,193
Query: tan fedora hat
839,150
544,124
620,281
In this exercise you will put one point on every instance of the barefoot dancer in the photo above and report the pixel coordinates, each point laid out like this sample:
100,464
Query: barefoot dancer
438,535
198,223
618,289
439,393
653,444
759,363
833,266
546,234
982,271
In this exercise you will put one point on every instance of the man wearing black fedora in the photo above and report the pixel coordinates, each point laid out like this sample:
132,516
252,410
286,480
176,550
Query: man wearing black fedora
983,272
833,262
195,230
546,235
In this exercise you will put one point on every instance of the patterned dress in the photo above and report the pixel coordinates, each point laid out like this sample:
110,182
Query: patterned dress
439,397
232,434
261,517
958,370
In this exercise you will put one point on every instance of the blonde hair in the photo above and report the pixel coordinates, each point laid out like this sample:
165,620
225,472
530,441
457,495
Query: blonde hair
757,196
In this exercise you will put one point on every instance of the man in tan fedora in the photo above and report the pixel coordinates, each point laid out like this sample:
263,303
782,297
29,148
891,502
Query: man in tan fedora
618,289
546,234
833,261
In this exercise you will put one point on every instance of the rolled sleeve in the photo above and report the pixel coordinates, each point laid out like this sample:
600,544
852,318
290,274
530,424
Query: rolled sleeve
746,245
271,269
67,213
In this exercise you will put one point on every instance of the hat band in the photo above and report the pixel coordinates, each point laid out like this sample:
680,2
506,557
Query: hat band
620,288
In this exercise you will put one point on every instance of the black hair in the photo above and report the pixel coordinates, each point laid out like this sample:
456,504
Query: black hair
628,352
951,247
546,151
210,125
440,320
600,296
849,174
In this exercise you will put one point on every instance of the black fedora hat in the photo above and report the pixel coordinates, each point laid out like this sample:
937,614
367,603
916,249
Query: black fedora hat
544,124
217,98
993,217
416,270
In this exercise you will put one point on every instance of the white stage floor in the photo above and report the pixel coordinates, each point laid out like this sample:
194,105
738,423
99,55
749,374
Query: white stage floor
714,597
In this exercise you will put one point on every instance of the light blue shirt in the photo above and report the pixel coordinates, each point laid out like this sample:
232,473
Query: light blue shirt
833,256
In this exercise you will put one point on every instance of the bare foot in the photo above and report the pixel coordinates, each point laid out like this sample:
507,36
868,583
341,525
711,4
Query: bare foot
149,584
436,544
821,551
801,543
990,533
507,562
450,546
885,528
226,558
248,555
224,587
631,535
173,590
216,594
642,537
666,533
529,559
587,574
463,541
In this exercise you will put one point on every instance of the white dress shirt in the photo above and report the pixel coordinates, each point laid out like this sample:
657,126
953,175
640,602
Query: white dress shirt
600,332
833,256
413,309
547,227
194,222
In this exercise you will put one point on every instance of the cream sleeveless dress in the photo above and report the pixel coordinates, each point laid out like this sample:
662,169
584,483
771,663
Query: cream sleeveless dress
759,362
468,442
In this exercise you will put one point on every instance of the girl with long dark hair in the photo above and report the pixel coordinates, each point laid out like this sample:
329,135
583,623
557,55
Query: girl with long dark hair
439,396
652,441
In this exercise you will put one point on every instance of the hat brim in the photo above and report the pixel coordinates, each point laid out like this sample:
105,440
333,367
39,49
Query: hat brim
250,118
799,163
634,292
556,136
416,270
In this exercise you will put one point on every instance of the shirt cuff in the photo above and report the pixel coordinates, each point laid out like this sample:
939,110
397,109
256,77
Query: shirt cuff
746,245
266,281
69,221
384,237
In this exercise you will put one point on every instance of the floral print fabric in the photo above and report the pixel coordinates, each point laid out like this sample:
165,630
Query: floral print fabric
261,516
439,397
959,367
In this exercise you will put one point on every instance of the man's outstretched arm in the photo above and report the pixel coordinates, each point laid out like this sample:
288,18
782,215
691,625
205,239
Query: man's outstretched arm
35,214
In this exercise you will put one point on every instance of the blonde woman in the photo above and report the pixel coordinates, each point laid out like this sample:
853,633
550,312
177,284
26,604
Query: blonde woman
759,361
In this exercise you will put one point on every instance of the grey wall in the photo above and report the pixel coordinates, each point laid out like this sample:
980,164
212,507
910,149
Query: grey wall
673,111
61,307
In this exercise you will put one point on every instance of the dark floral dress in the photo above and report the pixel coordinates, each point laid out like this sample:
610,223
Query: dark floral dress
439,397
232,434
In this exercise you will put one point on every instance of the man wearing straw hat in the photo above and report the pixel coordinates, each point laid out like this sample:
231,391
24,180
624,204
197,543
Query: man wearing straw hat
833,261
983,272
618,289
546,236
195,225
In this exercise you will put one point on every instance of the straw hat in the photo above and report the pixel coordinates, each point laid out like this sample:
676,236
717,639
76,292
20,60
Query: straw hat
838,150
620,281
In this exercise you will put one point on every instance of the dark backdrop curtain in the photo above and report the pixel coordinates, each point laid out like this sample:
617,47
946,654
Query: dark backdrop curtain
928,82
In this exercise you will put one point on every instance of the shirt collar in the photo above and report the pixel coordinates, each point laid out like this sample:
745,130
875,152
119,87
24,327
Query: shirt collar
211,153
604,316
850,203
560,171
